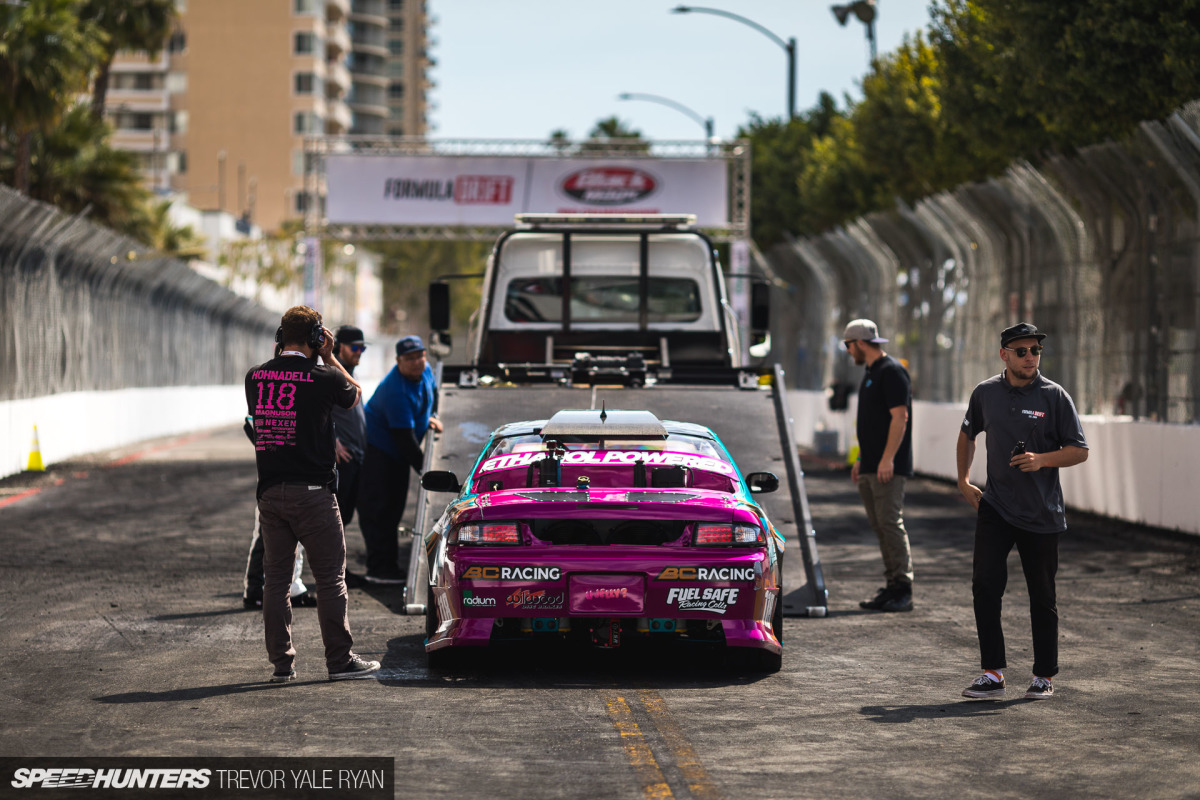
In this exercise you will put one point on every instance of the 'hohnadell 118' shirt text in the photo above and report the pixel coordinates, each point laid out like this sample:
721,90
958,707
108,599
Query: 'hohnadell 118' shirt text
290,399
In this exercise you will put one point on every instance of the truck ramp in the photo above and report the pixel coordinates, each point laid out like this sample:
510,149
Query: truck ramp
751,419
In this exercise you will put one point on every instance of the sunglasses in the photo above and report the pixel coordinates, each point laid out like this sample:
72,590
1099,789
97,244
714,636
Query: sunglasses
357,348
1021,351
849,342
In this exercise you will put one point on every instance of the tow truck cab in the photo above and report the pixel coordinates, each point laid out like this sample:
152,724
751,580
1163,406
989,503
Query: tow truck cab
559,285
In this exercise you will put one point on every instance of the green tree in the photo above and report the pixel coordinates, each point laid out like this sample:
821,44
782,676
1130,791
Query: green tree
45,55
560,140
141,25
611,133
164,236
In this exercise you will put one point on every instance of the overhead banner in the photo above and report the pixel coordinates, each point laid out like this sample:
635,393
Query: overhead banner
478,191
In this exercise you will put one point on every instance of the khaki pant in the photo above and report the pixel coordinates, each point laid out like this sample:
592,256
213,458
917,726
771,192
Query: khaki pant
884,503
291,513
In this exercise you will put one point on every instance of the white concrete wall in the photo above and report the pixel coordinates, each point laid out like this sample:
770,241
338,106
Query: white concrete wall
75,423
1144,472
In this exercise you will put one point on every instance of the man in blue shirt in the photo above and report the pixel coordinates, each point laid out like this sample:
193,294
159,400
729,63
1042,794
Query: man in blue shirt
1032,432
398,415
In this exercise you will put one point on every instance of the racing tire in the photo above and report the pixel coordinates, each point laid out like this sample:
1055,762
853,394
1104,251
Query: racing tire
777,618
431,617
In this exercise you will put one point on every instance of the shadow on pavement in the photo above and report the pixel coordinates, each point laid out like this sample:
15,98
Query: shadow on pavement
961,710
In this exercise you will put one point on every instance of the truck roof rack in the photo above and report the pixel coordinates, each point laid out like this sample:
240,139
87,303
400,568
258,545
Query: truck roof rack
655,221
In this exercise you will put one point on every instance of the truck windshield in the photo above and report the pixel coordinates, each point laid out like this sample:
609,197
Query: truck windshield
602,299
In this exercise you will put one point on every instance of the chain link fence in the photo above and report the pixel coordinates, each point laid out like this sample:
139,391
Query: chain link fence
1100,249
82,308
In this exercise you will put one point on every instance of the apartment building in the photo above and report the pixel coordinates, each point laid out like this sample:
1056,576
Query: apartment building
221,115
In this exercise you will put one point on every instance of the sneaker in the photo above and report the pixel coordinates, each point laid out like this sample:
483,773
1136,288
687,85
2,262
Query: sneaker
305,600
984,688
387,578
901,600
283,677
876,603
1040,689
357,668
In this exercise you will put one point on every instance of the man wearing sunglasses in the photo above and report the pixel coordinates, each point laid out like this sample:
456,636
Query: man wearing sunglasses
1033,431
349,425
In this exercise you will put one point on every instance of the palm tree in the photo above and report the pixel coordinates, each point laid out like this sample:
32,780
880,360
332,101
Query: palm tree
45,55
73,167
560,140
131,25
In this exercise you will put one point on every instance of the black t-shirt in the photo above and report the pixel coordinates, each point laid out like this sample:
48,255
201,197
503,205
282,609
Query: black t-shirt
884,386
290,398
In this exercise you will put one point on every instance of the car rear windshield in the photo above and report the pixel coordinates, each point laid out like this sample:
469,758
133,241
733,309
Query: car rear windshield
602,299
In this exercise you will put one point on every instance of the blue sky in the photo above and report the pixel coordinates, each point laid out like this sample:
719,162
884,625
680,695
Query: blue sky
522,68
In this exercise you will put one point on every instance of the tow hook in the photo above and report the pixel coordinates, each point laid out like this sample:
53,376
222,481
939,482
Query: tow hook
607,634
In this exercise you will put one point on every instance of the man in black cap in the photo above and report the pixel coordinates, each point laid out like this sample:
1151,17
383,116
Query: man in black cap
1032,432
885,462
398,415
349,425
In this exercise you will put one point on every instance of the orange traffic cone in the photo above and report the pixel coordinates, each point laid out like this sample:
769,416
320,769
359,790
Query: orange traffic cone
35,455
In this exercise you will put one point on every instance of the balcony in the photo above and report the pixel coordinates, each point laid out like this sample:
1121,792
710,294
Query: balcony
138,100
336,9
337,42
338,119
371,12
337,75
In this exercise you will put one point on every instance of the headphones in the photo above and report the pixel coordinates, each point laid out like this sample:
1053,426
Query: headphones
316,336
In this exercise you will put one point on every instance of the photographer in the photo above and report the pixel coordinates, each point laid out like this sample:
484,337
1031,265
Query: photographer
290,399
1032,432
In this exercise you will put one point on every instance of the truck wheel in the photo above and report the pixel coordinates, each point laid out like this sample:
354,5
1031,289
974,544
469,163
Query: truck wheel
754,659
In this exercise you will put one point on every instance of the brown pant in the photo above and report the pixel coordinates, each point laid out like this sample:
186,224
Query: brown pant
884,503
291,513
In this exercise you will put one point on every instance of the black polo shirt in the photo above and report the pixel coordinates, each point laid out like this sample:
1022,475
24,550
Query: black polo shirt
884,386
1043,416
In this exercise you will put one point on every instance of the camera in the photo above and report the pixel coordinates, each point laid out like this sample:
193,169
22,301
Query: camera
1017,450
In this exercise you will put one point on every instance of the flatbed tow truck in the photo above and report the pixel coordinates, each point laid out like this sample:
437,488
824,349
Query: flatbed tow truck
617,312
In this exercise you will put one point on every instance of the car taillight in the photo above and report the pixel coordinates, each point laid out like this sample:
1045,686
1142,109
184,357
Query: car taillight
718,535
489,533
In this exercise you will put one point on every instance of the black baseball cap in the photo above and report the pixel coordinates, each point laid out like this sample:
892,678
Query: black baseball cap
1022,330
348,334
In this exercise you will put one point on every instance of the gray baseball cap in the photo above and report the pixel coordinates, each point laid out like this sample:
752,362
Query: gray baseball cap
862,330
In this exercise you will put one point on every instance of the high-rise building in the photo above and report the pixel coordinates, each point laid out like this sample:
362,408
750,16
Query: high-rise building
222,114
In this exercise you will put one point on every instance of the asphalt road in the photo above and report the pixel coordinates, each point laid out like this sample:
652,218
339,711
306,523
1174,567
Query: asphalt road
123,635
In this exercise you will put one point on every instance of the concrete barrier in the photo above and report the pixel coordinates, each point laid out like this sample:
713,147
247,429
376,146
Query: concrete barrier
1144,472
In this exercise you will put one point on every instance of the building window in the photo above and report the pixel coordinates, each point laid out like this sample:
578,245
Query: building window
396,5
396,47
306,83
301,202
305,6
307,122
397,24
182,161
177,43
304,44
395,90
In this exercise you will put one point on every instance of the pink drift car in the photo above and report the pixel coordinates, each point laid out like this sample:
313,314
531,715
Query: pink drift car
607,526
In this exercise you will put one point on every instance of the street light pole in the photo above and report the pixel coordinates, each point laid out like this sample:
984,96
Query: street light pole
789,46
706,122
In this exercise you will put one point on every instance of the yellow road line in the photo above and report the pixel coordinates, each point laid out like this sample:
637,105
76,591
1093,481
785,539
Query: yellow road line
654,785
698,782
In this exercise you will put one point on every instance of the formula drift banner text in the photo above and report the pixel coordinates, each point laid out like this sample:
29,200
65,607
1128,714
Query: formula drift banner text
366,189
